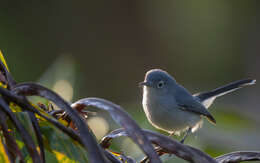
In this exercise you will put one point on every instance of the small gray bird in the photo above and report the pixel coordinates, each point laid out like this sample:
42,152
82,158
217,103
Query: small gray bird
170,107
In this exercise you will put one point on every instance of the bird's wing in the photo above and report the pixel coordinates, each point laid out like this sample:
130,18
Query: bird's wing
187,102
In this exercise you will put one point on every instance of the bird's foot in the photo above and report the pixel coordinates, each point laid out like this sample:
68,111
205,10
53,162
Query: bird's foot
186,135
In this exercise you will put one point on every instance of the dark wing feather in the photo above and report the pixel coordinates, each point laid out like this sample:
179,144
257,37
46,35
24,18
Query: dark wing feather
189,103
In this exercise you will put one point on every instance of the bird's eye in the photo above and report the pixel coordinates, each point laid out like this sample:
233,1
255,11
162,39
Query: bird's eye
160,84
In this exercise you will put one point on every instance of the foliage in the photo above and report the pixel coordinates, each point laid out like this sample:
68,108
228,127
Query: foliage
31,133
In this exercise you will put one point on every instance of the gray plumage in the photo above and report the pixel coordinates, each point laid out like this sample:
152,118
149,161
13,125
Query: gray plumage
170,107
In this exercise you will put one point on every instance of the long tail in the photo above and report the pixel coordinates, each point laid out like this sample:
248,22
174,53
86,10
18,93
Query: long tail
207,98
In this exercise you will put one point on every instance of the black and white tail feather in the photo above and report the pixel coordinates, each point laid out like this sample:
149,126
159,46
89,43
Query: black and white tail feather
207,98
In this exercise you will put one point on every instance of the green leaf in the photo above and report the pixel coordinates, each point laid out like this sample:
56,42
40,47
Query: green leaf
3,155
3,60
59,147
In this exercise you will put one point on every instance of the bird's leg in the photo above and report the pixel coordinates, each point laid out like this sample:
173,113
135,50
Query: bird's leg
171,134
186,134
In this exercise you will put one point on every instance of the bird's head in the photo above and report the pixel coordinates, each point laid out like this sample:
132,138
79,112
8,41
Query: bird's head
158,80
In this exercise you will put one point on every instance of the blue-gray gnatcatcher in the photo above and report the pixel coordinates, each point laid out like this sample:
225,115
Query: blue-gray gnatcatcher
170,107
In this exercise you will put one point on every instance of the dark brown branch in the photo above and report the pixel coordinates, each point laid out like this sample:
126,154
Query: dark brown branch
38,134
167,144
28,141
238,156
122,118
10,145
25,104
115,159
95,153
9,79
11,83
37,130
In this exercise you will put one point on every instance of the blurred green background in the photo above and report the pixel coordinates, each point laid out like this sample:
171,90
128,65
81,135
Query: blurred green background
103,49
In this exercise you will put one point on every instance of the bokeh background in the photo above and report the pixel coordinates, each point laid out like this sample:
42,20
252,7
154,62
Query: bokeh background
103,49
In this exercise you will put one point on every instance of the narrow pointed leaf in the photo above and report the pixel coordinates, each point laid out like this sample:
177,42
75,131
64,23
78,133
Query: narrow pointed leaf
239,157
31,89
118,157
38,134
167,144
61,146
124,119
36,129
24,134
20,102
3,60
4,69
3,151
10,144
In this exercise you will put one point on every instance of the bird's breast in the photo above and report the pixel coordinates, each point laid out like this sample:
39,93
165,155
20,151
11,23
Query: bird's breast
164,113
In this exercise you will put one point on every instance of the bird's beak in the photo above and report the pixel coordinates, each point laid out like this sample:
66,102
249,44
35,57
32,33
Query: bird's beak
145,83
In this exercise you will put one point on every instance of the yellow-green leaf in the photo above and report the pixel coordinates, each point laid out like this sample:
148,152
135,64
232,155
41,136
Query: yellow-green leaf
3,60
3,155
2,84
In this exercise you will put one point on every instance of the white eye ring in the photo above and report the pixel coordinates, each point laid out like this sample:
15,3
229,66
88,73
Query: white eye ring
160,84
